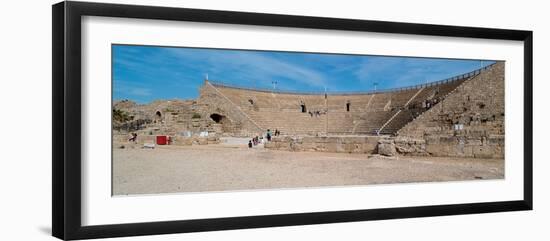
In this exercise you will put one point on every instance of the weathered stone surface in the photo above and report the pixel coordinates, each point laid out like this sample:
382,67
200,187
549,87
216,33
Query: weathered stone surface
182,141
410,146
483,152
386,149
201,141
469,122
386,146
325,144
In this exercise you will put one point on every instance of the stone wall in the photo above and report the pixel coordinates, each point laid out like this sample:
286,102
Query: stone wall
344,144
167,117
176,117
234,121
469,122
194,140
122,139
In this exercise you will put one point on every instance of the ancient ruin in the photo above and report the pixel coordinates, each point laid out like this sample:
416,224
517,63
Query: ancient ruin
462,116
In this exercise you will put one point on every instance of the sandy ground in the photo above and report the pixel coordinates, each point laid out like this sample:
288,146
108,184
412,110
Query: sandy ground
168,169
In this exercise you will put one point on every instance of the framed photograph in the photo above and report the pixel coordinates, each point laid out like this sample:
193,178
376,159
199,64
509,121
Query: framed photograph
172,120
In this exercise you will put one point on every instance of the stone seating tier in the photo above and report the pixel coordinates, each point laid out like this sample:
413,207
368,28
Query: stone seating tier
367,112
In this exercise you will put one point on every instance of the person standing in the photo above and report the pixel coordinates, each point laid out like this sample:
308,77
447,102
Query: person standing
268,135
133,138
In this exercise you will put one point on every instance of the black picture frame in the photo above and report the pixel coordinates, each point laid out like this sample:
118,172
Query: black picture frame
66,75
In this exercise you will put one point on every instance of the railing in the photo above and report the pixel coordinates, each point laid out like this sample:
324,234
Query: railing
280,91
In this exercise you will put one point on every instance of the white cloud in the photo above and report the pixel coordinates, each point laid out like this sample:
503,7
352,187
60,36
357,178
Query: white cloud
252,66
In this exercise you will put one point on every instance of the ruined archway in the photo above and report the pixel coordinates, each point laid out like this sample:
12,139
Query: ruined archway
217,118
157,118
222,120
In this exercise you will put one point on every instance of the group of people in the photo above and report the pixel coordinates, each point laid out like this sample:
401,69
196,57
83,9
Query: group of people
316,113
429,103
269,134
257,140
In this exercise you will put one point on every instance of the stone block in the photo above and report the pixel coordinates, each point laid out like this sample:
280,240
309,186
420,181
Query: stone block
473,142
496,140
332,147
183,141
437,149
448,140
483,152
387,148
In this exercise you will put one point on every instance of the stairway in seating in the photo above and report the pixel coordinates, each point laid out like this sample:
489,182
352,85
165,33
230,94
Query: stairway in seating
443,98
362,116
403,117
236,106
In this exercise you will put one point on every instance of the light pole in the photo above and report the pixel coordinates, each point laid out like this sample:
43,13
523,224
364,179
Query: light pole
274,83
326,114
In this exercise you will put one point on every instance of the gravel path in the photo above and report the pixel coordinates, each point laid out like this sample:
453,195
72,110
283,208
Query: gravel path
169,169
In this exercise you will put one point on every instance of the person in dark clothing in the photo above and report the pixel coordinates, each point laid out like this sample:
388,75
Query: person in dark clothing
268,135
133,138
249,144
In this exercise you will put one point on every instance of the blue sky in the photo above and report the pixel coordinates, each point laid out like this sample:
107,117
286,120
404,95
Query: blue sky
147,73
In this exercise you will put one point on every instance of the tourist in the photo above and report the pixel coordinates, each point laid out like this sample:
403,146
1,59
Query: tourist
133,138
268,135
249,144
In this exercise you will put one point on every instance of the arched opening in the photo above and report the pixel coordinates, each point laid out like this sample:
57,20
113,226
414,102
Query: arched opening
347,106
157,118
303,108
217,118
223,121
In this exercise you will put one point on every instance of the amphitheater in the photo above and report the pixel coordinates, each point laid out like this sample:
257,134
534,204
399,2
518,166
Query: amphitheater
460,116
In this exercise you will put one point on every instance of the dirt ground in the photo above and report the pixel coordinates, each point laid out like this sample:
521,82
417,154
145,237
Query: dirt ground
222,167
